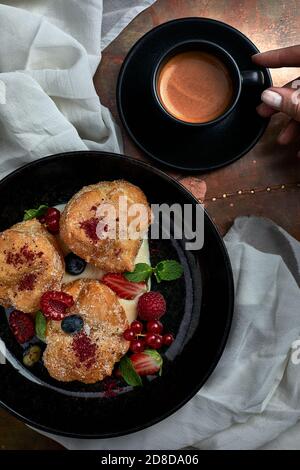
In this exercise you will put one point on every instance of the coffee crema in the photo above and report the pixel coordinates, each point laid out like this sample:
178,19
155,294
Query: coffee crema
195,86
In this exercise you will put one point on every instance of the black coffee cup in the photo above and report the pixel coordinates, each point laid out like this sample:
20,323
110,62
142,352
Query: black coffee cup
240,78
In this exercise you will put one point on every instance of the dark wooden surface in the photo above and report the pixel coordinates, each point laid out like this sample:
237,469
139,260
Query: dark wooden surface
269,24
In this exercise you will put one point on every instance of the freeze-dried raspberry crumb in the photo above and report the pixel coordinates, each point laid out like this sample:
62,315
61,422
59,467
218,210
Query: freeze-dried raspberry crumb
23,256
90,228
84,349
27,282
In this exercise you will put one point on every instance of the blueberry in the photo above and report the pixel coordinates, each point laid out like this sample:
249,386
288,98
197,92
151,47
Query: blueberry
72,324
74,264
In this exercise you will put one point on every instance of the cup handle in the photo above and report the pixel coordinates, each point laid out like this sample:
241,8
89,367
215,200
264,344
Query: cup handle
252,77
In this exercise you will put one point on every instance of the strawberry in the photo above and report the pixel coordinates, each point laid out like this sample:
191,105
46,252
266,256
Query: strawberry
22,326
55,303
123,288
151,306
148,362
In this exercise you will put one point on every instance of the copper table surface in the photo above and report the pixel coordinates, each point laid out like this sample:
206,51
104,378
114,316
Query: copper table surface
265,182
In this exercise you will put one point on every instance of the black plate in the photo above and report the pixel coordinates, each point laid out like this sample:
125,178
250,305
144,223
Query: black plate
176,145
199,307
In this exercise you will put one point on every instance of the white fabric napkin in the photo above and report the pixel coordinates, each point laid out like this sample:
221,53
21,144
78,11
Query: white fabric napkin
49,53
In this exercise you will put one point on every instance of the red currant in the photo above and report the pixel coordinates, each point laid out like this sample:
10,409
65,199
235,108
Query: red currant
154,341
168,339
53,226
136,327
128,334
52,213
52,217
155,327
137,346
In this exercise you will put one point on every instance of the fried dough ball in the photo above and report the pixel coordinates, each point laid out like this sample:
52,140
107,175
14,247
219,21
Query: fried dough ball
30,264
87,355
86,232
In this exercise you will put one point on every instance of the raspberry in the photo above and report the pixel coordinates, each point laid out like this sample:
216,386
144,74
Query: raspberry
151,306
22,326
55,303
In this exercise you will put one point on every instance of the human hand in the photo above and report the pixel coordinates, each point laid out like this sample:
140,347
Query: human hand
285,99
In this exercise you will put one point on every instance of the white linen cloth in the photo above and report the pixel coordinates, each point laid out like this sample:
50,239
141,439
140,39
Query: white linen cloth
49,53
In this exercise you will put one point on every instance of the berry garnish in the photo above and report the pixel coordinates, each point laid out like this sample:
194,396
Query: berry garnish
22,326
168,339
51,218
32,355
55,303
72,324
123,288
151,306
137,346
154,326
129,334
154,341
146,362
74,264
51,213
136,327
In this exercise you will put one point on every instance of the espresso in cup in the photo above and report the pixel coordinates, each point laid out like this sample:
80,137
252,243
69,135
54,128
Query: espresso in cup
195,86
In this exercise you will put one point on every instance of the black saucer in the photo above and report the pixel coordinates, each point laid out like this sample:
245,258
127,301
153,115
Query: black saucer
183,147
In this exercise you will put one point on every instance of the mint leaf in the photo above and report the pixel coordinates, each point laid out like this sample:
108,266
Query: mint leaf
40,326
157,276
34,213
142,272
128,373
168,270
156,357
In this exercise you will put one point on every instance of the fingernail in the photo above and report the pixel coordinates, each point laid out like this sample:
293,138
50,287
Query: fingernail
272,98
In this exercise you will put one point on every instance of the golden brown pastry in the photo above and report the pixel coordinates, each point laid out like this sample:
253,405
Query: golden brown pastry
30,264
81,225
88,355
